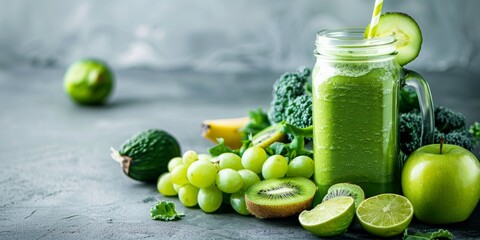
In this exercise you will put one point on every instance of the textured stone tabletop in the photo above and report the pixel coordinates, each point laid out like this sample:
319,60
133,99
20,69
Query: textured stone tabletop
57,180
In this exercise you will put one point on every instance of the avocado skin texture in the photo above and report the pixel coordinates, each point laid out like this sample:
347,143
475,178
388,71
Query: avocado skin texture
149,153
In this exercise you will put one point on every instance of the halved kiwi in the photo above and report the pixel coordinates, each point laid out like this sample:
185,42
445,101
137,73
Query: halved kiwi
284,197
406,31
269,135
345,189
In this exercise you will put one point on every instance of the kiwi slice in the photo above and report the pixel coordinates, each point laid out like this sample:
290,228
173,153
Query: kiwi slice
406,31
274,198
269,135
345,189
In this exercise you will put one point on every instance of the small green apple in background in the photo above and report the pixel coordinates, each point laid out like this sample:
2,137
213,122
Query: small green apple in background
89,81
443,183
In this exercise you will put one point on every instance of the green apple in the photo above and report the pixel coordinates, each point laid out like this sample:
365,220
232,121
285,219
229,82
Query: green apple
443,183
89,81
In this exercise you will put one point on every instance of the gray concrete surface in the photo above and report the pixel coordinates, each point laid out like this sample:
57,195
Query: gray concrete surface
57,180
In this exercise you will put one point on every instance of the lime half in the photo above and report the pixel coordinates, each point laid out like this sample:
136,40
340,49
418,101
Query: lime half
329,218
406,31
385,215
89,81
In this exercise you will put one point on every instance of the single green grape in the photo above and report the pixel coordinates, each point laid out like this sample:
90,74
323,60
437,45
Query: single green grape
176,187
248,177
237,201
188,195
204,157
165,185
275,167
253,159
229,180
230,160
210,198
201,174
301,166
174,162
189,157
179,175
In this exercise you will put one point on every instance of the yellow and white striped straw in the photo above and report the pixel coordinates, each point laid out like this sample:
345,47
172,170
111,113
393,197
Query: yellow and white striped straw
377,11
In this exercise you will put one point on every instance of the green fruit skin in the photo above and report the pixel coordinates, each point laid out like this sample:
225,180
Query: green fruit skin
165,186
89,82
443,188
237,201
333,229
150,151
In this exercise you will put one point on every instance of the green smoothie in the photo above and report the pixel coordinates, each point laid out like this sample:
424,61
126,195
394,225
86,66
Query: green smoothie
355,125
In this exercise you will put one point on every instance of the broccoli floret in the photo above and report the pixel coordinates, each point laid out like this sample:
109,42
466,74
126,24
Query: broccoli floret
299,112
410,129
304,72
475,131
447,120
449,125
460,137
288,87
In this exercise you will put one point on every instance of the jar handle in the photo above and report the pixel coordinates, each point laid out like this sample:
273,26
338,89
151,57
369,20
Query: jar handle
422,89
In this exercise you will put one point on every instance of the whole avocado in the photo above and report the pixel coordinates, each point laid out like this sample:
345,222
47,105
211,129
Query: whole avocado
145,156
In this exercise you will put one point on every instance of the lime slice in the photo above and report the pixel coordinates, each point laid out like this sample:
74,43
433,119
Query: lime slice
329,218
89,81
385,215
406,31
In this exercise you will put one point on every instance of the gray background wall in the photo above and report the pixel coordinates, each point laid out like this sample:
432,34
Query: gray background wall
218,35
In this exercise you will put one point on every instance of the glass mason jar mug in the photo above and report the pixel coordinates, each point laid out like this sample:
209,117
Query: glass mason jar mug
355,88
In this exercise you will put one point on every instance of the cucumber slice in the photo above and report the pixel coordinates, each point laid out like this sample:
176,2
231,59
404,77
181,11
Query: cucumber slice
407,32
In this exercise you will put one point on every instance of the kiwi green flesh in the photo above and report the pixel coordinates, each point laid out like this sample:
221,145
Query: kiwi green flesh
268,136
345,189
284,197
406,31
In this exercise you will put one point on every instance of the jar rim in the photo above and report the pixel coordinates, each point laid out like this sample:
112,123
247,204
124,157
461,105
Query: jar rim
351,42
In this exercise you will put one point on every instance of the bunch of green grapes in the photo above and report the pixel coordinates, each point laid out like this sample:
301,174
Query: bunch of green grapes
203,180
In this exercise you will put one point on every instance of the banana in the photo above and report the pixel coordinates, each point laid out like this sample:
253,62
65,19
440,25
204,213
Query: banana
227,128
